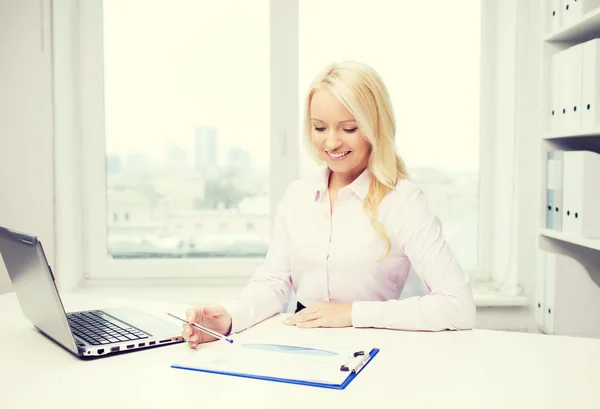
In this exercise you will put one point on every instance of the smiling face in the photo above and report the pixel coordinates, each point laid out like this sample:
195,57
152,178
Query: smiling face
336,136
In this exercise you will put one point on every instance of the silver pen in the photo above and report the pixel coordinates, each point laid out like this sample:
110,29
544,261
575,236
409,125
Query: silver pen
203,329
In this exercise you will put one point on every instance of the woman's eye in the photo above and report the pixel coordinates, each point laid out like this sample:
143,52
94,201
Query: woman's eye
350,130
319,129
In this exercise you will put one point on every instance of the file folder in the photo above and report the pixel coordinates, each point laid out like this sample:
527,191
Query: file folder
569,11
581,194
553,16
549,292
554,97
554,190
569,96
574,10
539,289
574,60
564,113
299,365
590,116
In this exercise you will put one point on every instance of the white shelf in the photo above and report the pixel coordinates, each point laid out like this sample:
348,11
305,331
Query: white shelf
585,29
582,134
580,241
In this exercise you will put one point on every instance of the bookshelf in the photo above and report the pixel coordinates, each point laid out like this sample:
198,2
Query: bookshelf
593,244
567,281
592,134
586,28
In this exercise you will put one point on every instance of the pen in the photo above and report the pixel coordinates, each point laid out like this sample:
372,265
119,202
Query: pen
203,329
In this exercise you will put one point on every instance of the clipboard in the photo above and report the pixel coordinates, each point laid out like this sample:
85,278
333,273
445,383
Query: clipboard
353,366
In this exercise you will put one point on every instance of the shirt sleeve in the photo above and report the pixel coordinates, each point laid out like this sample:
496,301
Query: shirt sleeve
270,285
450,304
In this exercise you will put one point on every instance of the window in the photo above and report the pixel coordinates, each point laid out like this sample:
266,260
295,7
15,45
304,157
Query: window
185,126
195,125
431,66
181,142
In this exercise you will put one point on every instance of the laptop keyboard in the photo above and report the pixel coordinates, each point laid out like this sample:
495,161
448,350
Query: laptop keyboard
98,328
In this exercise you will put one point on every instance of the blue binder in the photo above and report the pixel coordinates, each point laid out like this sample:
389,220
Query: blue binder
352,374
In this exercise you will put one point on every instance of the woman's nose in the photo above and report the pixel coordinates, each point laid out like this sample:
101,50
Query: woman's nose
332,142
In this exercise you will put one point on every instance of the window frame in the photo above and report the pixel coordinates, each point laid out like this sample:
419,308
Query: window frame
285,153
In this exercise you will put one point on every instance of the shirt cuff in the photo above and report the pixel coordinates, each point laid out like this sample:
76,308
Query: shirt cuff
367,314
239,315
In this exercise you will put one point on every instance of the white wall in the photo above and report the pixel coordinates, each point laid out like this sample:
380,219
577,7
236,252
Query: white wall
26,123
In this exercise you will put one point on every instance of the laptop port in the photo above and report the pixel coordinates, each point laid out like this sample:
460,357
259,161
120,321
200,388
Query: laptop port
100,351
115,349
143,344
164,340
130,346
151,342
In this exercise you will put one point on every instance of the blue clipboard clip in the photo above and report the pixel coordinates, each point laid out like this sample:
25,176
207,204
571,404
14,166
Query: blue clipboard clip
355,362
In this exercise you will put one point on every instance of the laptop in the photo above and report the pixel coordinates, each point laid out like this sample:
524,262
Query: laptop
87,334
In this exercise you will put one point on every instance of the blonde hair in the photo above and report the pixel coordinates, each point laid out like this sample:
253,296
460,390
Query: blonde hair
360,89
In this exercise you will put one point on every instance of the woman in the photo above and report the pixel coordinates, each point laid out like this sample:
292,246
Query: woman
345,239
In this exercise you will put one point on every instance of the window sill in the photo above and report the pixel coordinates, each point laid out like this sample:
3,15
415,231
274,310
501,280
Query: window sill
205,291
490,298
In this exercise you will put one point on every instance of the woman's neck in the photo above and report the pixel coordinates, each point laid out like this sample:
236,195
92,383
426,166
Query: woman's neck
338,180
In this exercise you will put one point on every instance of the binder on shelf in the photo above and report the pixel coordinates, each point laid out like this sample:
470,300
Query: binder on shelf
553,16
574,96
563,92
554,190
549,292
568,10
574,10
581,194
569,91
539,288
590,116
554,97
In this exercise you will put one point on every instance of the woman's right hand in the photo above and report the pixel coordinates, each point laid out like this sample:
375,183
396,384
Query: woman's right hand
213,317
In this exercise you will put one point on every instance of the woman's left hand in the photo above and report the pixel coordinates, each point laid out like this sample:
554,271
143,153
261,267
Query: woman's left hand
322,314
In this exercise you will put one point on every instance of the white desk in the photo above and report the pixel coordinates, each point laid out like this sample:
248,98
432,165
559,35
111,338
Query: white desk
468,369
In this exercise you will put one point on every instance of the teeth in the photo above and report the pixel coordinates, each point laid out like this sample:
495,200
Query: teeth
338,155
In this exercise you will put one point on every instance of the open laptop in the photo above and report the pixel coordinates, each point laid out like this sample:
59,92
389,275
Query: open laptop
86,334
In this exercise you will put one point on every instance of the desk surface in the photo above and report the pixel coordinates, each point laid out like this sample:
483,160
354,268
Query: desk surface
466,369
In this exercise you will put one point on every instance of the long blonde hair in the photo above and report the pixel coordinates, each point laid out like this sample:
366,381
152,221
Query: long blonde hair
360,89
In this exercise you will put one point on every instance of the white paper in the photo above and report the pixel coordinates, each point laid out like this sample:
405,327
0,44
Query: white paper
265,358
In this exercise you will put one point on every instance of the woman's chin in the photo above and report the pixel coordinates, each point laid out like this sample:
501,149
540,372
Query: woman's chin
338,166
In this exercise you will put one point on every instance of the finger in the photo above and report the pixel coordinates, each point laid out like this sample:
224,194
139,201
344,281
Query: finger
193,345
192,314
292,320
319,322
305,315
187,332
297,317
309,317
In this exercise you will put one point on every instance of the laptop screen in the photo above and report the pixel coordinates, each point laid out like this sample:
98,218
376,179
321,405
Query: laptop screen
33,282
